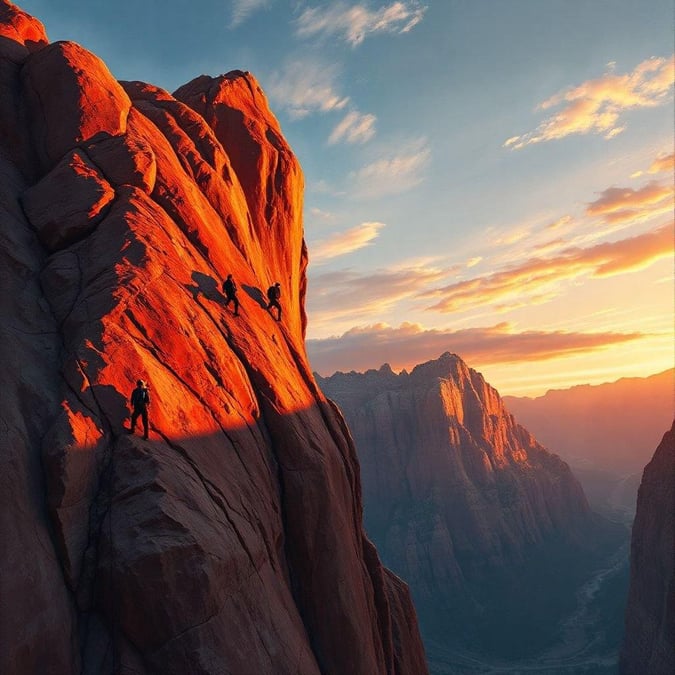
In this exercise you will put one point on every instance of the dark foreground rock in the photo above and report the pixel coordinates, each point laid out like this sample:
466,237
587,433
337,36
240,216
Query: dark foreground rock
649,642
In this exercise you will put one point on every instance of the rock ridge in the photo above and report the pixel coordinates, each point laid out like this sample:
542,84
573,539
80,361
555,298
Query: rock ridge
458,495
231,540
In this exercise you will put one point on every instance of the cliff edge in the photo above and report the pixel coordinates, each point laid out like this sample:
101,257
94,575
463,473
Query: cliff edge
231,540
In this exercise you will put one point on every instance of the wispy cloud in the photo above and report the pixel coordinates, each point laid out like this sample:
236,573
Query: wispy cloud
663,164
560,223
304,87
242,9
355,127
393,173
595,106
345,242
540,279
353,23
317,215
370,346
349,295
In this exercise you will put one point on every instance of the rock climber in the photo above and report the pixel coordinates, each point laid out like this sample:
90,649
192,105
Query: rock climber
273,295
230,290
140,400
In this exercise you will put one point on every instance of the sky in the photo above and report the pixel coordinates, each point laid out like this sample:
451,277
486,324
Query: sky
492,178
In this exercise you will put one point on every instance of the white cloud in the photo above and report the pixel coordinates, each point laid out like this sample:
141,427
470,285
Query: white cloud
353,23
354,128
242,9
391,174
304,87
345,242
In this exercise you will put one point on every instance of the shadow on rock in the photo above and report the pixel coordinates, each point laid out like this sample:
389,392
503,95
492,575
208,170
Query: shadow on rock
256,294
207,286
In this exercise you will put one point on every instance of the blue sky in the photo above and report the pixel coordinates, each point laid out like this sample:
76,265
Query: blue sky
490,177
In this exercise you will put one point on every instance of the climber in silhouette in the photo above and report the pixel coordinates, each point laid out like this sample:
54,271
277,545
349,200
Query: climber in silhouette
140,400
273,295
230,290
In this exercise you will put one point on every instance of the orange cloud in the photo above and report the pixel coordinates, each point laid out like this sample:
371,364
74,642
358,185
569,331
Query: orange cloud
345,242
616,199
595,106
367,347
541,277
560,223
617,205
663,164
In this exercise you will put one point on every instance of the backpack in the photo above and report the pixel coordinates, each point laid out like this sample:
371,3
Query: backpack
140,398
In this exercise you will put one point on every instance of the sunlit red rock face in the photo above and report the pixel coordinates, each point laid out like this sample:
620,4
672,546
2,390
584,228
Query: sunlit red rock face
650,612
230,541
454,489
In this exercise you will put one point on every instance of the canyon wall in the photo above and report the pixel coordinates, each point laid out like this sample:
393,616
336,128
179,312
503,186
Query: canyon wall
486,525
231,540
649,642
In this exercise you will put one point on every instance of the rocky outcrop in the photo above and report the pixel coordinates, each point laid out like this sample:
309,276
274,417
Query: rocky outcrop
231,540
650,612
459,498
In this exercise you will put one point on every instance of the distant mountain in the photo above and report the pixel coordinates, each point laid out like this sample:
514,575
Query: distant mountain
649,643
481,520
610,427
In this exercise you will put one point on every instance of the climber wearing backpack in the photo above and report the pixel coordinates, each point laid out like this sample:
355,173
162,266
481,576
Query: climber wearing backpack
140,400
230,290
273,295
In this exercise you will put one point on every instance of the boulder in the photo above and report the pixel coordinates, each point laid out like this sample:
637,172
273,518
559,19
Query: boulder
68,202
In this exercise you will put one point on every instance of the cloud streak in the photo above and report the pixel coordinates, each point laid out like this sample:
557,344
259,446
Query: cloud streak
345,242
391,174
242,9
367,347
355,127
353,23
538,280
595,106
620,204
345,294
306,87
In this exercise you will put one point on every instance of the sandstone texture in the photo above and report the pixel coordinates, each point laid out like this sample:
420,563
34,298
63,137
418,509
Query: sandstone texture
460,499
650,612
231,541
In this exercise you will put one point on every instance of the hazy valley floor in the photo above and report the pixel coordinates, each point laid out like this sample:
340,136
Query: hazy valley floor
586,641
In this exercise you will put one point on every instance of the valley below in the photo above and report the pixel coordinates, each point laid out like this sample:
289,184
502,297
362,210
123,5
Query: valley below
585,641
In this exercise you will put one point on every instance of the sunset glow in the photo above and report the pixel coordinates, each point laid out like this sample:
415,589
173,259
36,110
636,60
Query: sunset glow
493,179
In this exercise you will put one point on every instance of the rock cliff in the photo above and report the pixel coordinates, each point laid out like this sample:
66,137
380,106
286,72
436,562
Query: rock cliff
460,499
231,541
650,612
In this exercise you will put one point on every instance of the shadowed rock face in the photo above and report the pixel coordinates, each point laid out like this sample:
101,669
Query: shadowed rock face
230,541
650,612
456,492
